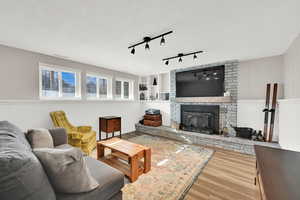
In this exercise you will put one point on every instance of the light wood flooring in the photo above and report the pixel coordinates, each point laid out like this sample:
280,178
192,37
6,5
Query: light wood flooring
227,176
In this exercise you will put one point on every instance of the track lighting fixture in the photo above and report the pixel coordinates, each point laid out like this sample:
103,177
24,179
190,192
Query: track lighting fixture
180,55
167,62
147,41
133,51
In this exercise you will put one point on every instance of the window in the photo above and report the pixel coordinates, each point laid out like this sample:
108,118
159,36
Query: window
91,86
124,89
59,83
98,87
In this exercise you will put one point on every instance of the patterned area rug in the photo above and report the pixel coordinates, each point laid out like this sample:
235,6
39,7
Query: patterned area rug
174,168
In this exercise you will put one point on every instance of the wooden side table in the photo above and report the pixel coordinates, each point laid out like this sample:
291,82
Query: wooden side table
110,124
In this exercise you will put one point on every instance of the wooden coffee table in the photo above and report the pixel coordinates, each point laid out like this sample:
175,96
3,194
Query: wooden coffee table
130,158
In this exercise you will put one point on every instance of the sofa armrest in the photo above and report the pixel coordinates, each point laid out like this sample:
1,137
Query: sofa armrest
59,136
84,129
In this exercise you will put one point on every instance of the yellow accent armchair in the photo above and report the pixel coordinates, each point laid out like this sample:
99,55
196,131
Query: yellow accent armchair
82,136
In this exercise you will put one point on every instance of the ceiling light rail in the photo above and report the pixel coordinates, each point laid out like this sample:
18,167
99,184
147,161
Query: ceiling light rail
147,40
180,55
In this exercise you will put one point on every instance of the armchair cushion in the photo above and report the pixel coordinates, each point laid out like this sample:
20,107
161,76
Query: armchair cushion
87,137
75,135
84,129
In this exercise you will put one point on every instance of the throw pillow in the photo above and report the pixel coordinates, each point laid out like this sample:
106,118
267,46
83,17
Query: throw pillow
66,169
40,138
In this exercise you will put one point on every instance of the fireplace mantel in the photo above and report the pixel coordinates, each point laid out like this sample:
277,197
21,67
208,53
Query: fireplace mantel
223,99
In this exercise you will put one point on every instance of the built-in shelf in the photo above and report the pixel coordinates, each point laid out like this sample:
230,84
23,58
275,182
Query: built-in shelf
149,92
204,99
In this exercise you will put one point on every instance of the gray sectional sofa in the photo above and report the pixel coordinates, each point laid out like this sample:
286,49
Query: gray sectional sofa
22,175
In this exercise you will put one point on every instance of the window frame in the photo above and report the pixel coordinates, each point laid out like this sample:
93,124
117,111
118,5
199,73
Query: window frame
109,86
60,69
131,89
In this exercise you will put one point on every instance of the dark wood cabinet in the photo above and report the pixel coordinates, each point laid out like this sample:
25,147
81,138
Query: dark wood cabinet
110,125
277,173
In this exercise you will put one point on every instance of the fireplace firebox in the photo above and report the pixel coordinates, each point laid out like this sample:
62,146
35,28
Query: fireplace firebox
200,118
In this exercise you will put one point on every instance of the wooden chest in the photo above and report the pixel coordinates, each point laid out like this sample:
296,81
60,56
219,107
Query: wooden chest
152,123
152,117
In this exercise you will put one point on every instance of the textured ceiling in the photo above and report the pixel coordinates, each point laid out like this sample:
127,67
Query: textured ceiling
99,32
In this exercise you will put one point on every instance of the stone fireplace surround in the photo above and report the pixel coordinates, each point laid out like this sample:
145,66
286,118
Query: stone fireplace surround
228,106
227,111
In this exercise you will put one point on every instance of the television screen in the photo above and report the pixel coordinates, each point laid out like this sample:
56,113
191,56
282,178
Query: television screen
206,82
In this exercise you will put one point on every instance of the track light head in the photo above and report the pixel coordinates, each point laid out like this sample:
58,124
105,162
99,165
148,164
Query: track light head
167,62
147,40
162,41
147,47
132,51
195,57
180,57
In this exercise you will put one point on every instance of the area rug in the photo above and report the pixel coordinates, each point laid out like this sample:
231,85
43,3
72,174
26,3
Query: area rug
174,168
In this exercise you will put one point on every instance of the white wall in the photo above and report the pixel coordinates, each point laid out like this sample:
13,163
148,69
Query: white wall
292,70
250,115
289,108
255,74
19,73
35,114
19,93
289,121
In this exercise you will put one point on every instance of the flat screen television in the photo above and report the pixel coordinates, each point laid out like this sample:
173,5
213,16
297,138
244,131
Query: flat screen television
206,82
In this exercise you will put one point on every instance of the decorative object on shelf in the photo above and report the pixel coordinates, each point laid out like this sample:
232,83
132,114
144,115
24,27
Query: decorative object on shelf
154,82
164,96
227,94
152,97
147,40
143,87
225,131
181,55
142,96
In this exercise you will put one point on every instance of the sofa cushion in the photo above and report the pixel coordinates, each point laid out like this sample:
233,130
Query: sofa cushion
40,138
110,182
66,169
8,129
59,136
21,174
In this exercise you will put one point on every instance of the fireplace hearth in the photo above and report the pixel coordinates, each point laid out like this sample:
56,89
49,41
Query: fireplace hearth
200,118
